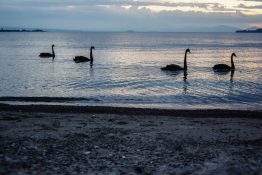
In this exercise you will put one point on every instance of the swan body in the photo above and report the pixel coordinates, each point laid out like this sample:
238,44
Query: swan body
47,55
221,67
174,67
80,59
224,67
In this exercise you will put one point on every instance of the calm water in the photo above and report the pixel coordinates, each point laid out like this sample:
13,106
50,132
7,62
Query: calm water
126,69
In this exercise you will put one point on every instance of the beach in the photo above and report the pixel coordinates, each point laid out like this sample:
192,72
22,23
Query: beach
42,139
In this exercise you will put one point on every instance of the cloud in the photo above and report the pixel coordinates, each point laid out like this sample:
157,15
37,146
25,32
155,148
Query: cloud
250,7
205,6
142,15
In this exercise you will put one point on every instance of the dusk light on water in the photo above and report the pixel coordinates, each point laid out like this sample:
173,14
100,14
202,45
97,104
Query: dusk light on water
126,69
131,87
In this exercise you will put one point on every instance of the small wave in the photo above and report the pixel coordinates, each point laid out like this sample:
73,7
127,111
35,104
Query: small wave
47,99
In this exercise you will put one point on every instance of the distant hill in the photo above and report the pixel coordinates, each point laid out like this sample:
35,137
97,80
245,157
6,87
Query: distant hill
219,28
222,28
253,28
259,30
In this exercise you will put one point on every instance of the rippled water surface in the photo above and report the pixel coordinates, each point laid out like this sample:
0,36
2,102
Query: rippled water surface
126,69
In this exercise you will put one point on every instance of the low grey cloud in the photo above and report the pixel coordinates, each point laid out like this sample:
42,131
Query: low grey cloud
104,15
250,7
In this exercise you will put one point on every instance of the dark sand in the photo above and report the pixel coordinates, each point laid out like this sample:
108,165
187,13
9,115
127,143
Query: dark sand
106,140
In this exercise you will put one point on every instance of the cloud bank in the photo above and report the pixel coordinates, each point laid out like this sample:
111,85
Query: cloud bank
140,15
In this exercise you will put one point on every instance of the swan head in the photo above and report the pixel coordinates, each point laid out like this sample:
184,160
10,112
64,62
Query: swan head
53,45
92,47
188,50
233,54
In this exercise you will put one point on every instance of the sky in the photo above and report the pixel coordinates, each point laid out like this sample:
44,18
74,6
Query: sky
137,15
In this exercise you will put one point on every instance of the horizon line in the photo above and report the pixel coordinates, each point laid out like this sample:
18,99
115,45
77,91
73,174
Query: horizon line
207,30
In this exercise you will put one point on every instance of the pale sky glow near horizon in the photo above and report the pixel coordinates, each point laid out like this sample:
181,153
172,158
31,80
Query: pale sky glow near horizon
139,15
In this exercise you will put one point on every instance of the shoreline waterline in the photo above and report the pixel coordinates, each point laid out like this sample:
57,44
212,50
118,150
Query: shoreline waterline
94,101
198,113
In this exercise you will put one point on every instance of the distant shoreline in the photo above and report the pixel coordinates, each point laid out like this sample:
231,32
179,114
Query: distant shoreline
250,31
22,30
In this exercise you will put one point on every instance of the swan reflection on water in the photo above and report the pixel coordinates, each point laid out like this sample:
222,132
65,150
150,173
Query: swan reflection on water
185,82
175,74
231,80
223,73
232,75
91,70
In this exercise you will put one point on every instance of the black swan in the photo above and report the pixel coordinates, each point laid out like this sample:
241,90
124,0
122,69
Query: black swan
224,67
79,59
47,55
174,67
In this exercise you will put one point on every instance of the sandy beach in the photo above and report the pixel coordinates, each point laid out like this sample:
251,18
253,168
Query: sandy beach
106,140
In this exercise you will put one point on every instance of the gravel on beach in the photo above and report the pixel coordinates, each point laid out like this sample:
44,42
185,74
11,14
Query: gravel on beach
91,143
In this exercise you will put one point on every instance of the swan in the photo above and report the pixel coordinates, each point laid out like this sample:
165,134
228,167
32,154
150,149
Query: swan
174,67
224,67
79,59
47,55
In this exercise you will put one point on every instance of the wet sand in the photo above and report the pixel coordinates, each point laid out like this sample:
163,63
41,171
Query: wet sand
43,139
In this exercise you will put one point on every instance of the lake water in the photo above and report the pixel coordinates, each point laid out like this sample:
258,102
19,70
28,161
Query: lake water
126,69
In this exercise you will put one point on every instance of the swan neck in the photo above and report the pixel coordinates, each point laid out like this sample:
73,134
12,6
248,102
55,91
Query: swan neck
232,62
53,52
185,63
91,54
